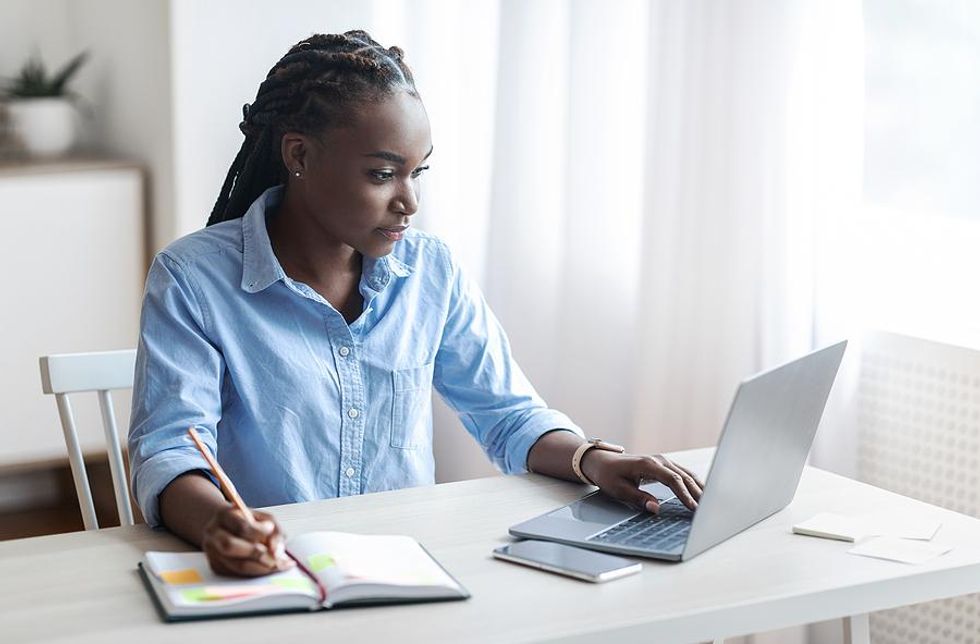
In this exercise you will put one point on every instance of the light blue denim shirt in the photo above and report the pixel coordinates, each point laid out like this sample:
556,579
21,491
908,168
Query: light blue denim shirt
297,404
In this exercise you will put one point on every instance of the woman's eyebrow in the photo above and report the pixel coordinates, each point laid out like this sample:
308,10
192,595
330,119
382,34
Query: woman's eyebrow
394,158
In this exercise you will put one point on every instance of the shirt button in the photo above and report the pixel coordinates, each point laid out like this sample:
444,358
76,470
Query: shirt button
353,413
349,472
343,351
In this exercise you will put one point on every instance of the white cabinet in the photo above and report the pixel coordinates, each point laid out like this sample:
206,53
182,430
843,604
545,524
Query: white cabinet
72,267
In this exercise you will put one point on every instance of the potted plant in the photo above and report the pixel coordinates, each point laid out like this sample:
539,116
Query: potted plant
40,107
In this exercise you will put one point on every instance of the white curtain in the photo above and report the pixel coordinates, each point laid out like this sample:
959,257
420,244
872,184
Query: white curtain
644,190
641,188
730,284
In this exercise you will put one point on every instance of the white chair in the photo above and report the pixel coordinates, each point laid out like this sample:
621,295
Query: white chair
907,421
85,372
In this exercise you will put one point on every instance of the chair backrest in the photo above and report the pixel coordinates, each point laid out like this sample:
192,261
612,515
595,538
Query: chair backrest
98,372
915,410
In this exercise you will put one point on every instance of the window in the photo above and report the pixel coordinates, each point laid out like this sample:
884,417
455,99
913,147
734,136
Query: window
911,254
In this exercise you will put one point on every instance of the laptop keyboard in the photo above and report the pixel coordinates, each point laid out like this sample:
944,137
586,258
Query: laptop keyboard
663,531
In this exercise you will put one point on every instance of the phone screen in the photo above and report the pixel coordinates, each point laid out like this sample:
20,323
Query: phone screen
569,560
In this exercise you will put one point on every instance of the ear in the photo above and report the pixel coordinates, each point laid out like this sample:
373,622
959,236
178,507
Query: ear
295,150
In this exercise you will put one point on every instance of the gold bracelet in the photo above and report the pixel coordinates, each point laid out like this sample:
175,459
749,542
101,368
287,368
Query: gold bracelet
597,443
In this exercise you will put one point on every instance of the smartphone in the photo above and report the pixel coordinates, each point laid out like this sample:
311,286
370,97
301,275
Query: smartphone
567,560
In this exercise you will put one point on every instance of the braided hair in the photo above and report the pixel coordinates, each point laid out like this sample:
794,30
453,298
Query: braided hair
313,87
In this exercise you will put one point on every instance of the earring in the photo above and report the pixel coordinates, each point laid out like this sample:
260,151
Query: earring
297,174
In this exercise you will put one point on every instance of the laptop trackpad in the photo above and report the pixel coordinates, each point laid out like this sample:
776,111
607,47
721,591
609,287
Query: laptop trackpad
585,517
597,509
601,510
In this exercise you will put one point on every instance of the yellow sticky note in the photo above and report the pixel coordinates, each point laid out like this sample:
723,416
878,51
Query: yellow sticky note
187,576
320,562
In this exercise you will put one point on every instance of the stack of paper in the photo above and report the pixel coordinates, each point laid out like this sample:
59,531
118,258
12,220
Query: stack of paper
895,549
882,536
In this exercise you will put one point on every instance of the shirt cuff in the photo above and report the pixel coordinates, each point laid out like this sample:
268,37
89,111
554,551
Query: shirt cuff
521,442
157,472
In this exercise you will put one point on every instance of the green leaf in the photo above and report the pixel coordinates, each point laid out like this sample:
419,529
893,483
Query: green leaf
62,77
33,81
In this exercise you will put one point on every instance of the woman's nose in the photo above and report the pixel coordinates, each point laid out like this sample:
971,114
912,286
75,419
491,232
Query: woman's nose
407,201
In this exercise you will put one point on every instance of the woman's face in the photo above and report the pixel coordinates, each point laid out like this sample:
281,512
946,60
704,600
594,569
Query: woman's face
360,184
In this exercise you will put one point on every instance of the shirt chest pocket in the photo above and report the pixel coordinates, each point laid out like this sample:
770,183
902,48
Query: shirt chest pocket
411,411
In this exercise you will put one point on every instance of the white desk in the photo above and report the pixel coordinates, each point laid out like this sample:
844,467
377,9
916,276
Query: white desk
84,586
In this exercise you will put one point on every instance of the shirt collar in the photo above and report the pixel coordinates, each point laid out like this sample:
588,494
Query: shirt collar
261,268
377,272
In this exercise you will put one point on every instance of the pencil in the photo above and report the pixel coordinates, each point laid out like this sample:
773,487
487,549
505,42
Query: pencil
227,487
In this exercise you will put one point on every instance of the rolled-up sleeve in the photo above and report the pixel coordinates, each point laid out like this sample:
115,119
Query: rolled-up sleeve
478,377
177,384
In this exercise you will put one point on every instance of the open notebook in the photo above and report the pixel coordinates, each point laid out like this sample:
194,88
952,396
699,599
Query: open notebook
335,569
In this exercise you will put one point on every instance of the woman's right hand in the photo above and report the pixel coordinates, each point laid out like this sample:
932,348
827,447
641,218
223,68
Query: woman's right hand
235,546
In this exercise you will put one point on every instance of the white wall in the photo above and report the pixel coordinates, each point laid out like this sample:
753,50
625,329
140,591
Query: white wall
128,82
221,53
124,86
27,26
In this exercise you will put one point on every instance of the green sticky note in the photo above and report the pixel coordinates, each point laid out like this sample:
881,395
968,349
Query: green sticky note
321,562
199,594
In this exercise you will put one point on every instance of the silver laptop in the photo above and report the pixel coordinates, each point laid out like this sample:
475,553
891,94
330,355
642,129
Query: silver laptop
755,473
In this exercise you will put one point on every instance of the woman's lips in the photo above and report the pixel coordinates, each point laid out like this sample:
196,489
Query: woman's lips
394,234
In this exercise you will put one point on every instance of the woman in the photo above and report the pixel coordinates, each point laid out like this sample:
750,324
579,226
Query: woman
302,330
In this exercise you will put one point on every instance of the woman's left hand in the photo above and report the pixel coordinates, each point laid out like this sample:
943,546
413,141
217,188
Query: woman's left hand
621,475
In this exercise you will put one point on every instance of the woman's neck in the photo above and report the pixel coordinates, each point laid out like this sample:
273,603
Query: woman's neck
307,252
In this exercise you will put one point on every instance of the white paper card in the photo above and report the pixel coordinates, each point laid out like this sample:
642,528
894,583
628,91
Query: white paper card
836,526
904,550
831,526
902,526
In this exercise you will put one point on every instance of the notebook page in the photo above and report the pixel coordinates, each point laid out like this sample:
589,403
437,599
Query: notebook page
340,558
189,581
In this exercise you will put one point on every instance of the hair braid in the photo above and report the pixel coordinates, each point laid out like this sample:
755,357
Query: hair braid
313,87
